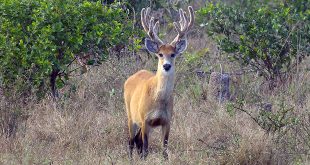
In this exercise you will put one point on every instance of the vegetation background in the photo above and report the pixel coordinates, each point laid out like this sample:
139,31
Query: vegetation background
63,65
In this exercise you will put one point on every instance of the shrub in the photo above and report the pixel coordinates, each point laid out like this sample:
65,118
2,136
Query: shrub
271,36
39,39
270,118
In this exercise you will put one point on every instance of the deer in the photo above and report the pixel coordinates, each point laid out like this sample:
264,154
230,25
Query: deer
149,96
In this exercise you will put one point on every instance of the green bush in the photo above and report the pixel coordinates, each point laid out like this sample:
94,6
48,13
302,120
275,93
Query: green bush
39,39
269,36
270,117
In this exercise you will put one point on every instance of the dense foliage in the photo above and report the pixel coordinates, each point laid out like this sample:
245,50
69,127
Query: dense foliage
39,39
271,37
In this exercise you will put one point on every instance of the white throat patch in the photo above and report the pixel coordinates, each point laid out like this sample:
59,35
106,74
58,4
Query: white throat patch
170,71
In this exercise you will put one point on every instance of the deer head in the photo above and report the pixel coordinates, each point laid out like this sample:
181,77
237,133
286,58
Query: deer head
167,52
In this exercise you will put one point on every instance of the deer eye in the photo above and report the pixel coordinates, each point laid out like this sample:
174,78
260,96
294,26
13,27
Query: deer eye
160,55
172,55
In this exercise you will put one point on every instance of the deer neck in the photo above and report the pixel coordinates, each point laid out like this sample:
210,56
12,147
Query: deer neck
164,83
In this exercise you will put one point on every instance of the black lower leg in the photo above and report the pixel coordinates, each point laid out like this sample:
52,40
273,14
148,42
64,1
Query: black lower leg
138,141
165,153
130,146
145,146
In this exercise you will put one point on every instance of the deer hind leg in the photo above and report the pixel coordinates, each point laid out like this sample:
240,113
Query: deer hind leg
165,134
144,136
135,138
131,138
138,141
132,130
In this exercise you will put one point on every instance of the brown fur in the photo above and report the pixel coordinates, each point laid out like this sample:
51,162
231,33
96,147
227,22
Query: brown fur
149,98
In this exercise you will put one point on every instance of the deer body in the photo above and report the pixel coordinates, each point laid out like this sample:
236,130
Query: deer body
148,96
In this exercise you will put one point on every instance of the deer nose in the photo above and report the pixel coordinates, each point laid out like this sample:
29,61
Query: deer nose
167,67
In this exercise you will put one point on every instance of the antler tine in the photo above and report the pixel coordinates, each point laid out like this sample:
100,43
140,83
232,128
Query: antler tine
183,21
144,14
186,18
156,27
150,28
191,16
184,24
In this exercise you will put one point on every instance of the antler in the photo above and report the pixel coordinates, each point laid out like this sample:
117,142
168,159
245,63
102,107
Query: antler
184,24
150,28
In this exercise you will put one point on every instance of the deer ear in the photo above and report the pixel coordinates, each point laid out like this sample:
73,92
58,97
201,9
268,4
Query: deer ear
151,46
180,46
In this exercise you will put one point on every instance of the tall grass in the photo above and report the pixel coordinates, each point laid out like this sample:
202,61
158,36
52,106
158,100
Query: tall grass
87,124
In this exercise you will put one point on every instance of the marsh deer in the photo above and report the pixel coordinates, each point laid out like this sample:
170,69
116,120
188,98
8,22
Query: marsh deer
148,96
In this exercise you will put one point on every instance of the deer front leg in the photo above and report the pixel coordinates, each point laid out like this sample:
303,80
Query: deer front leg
165,134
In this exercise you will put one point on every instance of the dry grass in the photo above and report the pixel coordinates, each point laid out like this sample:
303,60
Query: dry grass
88,126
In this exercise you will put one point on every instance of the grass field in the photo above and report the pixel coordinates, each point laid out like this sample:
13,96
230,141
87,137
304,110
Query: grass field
88,124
